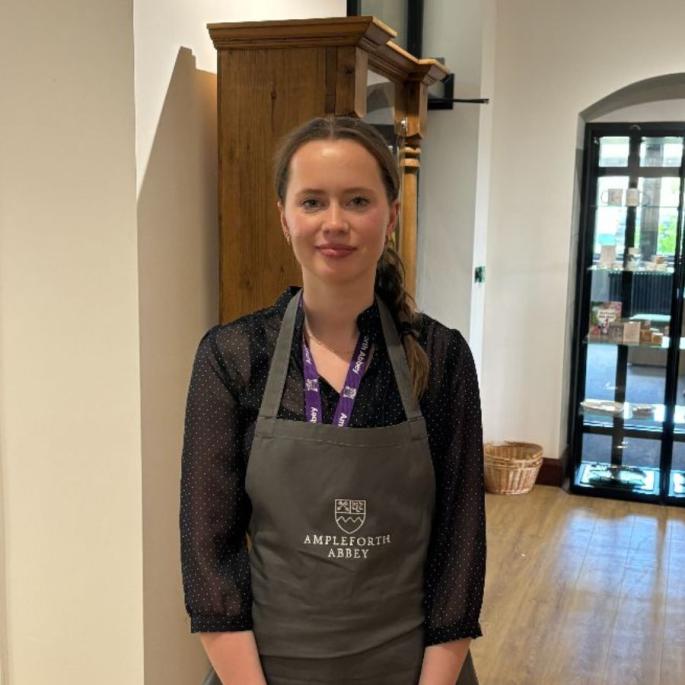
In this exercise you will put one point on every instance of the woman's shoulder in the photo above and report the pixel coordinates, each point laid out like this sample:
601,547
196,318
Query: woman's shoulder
452,373
443,344
243,342
254,325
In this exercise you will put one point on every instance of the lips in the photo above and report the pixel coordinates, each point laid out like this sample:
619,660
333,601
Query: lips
331,250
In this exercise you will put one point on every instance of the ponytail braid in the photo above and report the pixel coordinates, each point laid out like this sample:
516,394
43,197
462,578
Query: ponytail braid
390,288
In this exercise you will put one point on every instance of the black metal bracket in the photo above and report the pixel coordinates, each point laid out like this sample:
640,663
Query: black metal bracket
447,100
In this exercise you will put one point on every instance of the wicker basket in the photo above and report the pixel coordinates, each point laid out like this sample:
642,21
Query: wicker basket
511,467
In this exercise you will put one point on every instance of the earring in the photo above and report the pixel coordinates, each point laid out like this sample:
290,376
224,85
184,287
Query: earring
287,238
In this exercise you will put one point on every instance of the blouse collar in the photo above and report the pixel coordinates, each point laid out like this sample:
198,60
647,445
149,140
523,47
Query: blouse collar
368,320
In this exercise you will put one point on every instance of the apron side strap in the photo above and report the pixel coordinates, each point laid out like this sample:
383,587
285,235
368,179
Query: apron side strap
279,363
398,359
417,428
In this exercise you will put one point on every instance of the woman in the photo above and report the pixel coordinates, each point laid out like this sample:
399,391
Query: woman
341,431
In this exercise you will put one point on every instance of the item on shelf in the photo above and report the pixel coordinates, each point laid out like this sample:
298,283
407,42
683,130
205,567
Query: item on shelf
633,197
607,256
679,483
657,263
657,337
642,411
615,475
631,333
634,259
645,336
511,468
613,197
603,407
615,333
602,315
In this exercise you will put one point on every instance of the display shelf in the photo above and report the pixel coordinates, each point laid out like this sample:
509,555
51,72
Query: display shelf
602,474
629,318
663,346
626,411
679,419
668,271
595,206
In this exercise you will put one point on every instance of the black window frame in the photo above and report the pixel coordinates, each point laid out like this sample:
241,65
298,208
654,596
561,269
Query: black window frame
414,23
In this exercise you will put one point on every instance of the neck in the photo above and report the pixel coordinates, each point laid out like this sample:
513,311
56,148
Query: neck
331,309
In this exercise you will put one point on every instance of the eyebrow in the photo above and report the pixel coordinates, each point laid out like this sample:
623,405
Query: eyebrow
319,191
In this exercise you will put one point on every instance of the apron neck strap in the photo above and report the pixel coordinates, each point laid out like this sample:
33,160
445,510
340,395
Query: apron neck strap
278,370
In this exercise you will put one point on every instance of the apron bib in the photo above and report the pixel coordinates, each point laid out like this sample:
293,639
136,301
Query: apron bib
341,519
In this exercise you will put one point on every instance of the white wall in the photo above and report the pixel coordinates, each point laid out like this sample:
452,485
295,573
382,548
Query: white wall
454,177
162,27
554,60
69,376
175,74
102,304
661,110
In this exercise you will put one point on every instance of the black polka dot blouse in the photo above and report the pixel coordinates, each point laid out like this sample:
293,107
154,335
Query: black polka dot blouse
226,388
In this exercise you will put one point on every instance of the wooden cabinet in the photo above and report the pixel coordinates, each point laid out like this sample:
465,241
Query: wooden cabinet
273,76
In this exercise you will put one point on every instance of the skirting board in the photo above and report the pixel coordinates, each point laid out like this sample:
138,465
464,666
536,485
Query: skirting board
551,472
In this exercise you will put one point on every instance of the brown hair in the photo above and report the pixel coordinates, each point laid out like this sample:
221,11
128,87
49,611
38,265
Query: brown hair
390,270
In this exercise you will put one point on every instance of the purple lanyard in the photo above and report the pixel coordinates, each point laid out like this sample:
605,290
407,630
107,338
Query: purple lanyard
312,397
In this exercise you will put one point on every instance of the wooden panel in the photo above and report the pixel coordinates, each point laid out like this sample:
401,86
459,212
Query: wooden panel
395,63
351,72
333,31
417,110
272,77
369,33
409,167
331,79
263,94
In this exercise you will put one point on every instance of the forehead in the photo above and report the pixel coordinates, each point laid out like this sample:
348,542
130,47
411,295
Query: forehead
333,163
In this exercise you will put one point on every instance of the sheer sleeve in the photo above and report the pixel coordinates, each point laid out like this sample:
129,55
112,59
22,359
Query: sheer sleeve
214,509
455,565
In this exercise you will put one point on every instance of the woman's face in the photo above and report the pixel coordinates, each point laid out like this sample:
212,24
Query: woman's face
336,210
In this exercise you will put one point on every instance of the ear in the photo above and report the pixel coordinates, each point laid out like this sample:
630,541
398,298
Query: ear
281,214
392,219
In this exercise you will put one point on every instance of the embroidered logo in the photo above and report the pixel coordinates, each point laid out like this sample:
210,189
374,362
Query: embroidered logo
349,392
350,514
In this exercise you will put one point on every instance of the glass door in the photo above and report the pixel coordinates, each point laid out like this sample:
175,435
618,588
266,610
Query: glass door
628,397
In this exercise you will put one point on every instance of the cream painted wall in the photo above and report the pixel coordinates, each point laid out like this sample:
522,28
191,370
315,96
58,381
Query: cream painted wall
554,60
661,110
69,374
162,27
175,74
455,169
447,180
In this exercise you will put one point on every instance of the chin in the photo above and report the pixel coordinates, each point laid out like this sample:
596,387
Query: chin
337,275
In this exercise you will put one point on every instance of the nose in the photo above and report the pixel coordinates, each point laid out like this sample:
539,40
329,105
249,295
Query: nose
335,219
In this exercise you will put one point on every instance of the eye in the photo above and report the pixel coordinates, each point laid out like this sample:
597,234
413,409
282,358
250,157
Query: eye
310,203
359,201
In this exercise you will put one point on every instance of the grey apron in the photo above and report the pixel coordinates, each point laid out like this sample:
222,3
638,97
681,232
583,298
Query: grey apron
341,519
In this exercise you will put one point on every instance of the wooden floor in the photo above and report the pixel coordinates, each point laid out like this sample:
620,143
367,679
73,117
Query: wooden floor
582,591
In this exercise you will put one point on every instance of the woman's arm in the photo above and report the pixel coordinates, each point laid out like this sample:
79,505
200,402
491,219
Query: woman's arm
442,663
234,657
455,564
214,513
